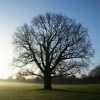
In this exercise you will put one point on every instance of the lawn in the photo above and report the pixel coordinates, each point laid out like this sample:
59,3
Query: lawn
29,91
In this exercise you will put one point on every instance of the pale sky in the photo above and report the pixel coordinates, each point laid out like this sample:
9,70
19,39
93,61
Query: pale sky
14,13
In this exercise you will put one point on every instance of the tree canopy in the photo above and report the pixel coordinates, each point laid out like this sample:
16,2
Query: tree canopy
54,44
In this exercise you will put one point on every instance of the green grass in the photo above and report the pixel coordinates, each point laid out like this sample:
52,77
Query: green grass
28,91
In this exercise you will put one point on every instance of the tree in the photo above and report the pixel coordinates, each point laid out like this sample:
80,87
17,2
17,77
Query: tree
54,44
20,77
10,78
95,72
83,76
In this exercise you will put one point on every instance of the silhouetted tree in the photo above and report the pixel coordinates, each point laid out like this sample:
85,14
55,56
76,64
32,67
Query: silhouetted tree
53,43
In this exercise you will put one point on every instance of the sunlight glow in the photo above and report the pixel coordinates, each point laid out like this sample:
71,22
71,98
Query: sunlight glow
5,57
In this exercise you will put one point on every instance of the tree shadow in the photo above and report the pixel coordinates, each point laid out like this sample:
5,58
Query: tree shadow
74,91
69,91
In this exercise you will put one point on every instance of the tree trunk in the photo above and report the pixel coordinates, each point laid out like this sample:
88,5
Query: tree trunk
47,82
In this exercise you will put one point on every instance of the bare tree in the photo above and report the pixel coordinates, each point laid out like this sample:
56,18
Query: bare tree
53,43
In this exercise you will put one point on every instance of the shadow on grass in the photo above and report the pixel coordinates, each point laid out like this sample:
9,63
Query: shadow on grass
68,91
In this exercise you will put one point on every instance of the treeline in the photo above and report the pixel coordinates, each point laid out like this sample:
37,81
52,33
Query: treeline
62,80
92,77
76,80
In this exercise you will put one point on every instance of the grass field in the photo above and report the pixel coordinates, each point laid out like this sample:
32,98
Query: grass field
28,91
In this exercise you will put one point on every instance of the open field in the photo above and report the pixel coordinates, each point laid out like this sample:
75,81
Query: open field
28,91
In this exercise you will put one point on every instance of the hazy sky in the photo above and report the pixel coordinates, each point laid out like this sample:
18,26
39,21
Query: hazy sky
14,13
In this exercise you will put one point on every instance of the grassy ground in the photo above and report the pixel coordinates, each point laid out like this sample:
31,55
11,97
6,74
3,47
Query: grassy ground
28,91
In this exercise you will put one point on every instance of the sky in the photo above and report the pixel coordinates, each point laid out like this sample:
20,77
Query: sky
14,13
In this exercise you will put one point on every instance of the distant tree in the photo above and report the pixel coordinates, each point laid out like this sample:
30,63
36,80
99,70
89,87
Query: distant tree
20,77
10,78
83,76
72,77
95,72
53,43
